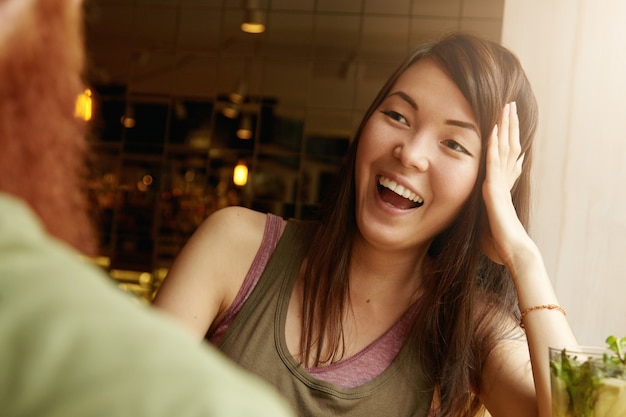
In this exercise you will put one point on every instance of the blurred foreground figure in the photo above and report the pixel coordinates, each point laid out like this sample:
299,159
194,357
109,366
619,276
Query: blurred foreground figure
72,343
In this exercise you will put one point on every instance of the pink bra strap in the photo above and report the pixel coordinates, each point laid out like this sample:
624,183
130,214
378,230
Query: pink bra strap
271,236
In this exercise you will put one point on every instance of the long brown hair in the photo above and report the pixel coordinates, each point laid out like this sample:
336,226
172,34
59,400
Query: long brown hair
451,343
42,142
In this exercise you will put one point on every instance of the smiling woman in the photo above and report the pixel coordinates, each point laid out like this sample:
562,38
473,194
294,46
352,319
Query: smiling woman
395,302
422,141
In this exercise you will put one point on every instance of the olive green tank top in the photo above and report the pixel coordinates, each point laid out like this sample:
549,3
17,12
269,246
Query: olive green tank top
256,340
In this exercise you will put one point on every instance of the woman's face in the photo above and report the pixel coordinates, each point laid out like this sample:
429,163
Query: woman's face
417,160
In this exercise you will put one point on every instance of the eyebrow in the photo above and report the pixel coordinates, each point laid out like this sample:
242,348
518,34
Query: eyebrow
404,96
452,122
463,124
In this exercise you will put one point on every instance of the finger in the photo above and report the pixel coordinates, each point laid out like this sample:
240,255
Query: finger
518,170
493,151
514,136
503,132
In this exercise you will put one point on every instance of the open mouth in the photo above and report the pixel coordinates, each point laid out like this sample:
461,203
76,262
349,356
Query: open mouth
396,195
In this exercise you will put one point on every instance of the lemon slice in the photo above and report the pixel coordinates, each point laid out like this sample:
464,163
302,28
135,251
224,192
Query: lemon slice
610,398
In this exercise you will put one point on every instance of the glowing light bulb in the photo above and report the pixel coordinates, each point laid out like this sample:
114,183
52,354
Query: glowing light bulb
84,105
240,174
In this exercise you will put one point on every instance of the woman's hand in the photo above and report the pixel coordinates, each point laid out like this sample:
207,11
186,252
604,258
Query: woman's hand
507,242
504,166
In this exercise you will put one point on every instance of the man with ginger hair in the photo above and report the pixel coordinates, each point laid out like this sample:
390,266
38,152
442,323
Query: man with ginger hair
72,343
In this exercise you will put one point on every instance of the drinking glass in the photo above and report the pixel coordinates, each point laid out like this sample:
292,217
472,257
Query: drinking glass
587,381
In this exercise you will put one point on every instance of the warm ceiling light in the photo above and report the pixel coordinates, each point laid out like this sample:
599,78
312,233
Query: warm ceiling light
231,110
245,127
84,105
239,94
254,21
240,174
128,119
254,18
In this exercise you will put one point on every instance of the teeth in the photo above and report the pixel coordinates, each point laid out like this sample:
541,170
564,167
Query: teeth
400,190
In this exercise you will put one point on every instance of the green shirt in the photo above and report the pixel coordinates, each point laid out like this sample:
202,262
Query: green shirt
256,340
73,344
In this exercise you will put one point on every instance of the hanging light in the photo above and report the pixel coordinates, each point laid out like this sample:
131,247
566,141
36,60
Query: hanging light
240,174
84,105
231,110
128,118
245,127
239,94
254,18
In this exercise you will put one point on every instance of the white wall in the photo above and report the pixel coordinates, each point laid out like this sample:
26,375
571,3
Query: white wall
574,52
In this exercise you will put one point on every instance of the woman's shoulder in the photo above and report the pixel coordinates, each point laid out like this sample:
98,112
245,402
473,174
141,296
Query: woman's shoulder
223,244
237,216
237,213
210,269
234,224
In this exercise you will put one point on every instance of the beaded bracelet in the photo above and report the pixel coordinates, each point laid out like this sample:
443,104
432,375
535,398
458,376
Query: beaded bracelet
540,307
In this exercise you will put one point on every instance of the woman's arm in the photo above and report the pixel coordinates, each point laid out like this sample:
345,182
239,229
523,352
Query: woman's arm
505,372
210,269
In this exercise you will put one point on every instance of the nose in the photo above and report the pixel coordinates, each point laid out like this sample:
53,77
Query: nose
413,154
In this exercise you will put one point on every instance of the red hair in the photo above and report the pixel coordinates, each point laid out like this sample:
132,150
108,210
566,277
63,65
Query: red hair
42,143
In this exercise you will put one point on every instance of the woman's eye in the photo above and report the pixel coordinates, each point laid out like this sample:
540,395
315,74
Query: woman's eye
456,146
395,116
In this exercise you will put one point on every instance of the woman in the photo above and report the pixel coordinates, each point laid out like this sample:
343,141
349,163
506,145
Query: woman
406,296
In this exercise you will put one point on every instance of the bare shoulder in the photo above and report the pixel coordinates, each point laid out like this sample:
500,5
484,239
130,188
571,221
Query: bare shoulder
210,269
234,223
226,242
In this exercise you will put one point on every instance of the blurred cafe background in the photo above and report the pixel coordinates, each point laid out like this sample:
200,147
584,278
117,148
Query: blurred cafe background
190,113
